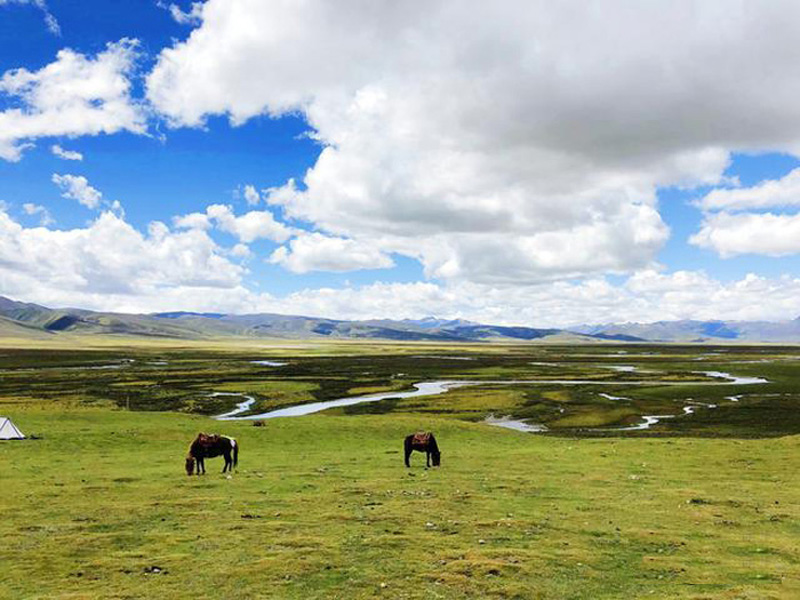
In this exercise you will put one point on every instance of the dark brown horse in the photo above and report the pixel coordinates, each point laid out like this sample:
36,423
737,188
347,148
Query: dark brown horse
208,446
423,442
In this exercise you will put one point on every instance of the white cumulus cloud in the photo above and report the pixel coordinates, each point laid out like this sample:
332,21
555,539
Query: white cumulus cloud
241,251
317,252
109,259
749,233
735,221
498,141
65,154
74,95
249,227
45,218
192,221
190,17
767,194
251,195
76,187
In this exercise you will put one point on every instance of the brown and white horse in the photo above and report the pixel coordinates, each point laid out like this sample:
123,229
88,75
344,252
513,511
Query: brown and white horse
423,442
208,446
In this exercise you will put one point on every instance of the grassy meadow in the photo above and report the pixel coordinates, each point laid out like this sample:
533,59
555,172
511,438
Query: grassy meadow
700,506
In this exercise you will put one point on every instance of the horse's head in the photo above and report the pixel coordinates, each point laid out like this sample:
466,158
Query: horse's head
189,465
437,458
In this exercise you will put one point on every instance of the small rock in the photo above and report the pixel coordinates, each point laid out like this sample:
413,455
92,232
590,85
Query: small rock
154,569
481,541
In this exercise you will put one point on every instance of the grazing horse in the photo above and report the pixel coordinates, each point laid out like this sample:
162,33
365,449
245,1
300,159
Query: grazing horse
208,446
423,442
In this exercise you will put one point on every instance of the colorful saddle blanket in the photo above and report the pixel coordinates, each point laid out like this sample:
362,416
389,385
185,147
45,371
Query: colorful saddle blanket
206,439
421,438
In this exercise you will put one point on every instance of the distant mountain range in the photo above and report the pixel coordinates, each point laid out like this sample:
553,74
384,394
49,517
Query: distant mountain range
701,331
25,320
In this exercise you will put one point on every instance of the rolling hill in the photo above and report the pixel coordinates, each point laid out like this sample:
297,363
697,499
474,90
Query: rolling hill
26,320
21,319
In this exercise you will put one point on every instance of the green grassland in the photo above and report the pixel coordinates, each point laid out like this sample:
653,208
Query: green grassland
704,506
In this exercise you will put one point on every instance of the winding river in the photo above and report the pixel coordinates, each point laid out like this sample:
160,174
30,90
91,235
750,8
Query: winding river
427,388
431,388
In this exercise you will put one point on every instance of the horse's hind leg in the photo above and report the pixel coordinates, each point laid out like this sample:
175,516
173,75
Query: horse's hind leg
228,462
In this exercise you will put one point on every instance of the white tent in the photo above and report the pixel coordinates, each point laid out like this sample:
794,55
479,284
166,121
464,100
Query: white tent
9,431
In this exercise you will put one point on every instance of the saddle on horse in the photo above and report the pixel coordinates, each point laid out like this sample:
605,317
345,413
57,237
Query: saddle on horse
421,438
207,439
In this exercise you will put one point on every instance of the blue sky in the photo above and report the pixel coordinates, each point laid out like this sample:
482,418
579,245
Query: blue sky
451,160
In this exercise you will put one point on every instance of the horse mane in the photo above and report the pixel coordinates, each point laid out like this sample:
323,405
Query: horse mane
195,443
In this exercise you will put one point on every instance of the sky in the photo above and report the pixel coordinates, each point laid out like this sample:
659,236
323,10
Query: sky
530,163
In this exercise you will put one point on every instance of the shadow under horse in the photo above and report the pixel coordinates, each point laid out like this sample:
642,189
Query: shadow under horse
423,442
208,446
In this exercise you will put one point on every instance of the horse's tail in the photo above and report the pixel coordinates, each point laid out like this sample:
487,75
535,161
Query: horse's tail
433,448
235,445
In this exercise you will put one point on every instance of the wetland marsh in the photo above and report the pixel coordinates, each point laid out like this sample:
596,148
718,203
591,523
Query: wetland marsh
579,501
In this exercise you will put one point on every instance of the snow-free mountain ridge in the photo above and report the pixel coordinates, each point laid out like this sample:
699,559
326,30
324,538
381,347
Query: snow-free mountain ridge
26,320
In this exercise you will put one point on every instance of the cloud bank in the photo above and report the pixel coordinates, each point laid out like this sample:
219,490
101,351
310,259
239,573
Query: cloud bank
497,142
110,262
515,149
110,265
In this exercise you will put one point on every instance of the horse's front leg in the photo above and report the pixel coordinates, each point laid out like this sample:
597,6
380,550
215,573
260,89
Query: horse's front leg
427,459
